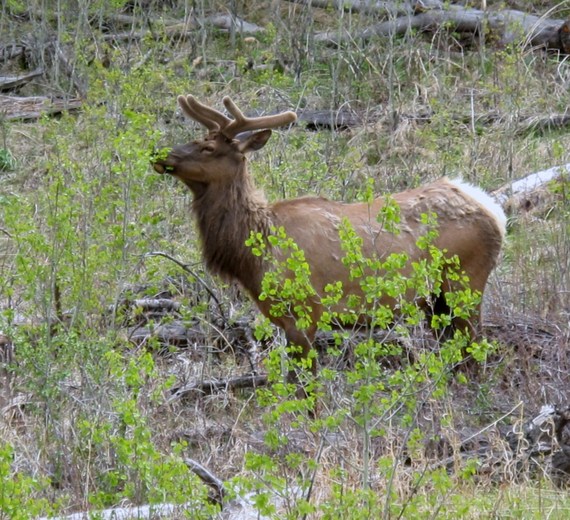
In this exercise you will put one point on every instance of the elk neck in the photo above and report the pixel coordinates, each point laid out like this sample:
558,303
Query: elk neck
226,213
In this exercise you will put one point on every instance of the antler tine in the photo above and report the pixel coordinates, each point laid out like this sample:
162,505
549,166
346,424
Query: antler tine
242,123
210,118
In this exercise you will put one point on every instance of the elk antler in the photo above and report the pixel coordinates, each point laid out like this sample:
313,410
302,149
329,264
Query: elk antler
217,122
243,124
210,118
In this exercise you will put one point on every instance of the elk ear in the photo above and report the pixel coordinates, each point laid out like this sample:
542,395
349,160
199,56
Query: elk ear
254,141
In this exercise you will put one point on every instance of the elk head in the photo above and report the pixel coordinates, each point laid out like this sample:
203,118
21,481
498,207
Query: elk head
218,157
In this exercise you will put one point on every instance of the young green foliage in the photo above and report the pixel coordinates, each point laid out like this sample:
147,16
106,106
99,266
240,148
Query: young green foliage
392,289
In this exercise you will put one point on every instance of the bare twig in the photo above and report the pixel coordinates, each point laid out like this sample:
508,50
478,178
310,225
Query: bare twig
5,232
195,275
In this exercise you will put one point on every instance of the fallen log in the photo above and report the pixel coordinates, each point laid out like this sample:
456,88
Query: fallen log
29,108
210,386
11,51
174,334
528,193
242,507
153,306
508,26
345,118
341,119
11,82
361,6
225,22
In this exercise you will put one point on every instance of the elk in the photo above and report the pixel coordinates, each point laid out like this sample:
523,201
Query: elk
227,208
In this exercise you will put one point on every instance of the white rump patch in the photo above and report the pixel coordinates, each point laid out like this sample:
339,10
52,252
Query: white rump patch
485,200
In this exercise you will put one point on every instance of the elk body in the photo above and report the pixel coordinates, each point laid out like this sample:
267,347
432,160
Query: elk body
227,208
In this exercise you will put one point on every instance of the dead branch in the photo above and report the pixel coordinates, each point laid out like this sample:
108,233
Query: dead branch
68,66
33,107
208,478
198,278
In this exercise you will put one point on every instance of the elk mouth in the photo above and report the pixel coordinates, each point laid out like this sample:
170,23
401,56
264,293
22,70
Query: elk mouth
162,167
159,168
160,161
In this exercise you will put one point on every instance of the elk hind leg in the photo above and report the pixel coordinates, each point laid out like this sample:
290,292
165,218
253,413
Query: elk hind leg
468,325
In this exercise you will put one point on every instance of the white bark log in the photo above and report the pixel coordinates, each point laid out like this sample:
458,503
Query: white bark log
529,183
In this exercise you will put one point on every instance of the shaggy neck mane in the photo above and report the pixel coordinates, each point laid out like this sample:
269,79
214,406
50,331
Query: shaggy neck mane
226,214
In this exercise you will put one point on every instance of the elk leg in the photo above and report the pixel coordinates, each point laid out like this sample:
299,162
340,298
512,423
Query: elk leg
304,340
467,326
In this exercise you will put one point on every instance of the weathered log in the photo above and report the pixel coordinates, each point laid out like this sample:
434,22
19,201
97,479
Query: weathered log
526,193
211,386
341,119
174,334
148,512
345,118
362,6
546,434
241,507
11,51
30,108
510,25
158,305
228,22
11,82
522,125
225,22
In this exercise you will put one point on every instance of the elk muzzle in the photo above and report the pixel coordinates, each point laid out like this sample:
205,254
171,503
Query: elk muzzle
160,162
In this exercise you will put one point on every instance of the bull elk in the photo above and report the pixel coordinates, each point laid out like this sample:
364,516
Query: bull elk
228,208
